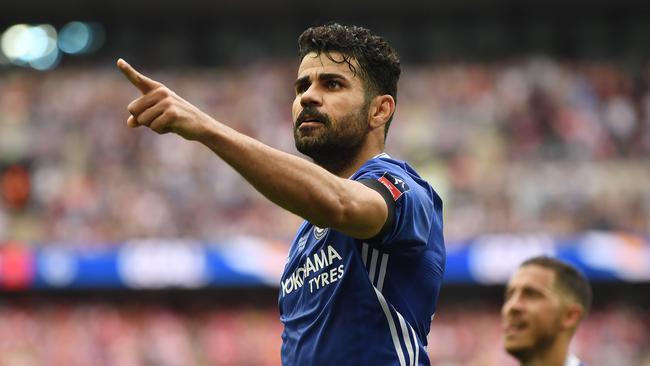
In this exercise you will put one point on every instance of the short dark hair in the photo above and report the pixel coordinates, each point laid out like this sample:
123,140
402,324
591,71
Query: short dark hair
378,62
567,278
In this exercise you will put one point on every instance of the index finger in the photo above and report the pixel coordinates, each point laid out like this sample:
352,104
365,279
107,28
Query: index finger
143,83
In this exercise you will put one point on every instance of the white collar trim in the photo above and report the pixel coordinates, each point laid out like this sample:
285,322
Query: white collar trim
380,155
572,360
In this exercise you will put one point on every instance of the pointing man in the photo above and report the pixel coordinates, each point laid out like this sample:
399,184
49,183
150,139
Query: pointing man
364,270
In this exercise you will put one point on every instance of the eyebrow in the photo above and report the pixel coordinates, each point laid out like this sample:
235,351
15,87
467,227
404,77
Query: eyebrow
323,77
301,81
330,76
526,287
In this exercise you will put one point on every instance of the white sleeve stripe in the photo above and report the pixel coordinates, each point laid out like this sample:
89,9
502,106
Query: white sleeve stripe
417,346
364,254
373,265
391,326
384,305
407,338
383,263
382,271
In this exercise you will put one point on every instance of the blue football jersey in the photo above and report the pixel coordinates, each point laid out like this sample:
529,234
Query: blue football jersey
345,301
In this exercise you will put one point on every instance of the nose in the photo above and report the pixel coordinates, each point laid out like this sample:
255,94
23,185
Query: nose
311,96
512,305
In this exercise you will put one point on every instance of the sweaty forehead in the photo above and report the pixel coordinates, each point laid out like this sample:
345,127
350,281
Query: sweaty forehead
313,64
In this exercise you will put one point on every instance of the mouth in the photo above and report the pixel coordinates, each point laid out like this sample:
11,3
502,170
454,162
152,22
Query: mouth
514,327
309,122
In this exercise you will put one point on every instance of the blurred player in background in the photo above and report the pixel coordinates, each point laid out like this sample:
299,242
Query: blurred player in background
545,301
364,271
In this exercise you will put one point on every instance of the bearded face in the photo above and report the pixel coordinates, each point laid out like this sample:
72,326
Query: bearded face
330,111
328,141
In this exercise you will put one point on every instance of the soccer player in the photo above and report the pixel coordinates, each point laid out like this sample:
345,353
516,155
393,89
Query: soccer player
545,301
363,274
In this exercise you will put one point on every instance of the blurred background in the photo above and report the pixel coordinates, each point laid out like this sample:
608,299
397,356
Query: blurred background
122,247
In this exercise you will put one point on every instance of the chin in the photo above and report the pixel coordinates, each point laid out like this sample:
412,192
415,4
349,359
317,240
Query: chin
518,350
310,150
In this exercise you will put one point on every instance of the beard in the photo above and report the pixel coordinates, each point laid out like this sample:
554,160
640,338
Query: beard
333,145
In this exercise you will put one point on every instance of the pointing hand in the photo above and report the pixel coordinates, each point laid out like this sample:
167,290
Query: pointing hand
160,109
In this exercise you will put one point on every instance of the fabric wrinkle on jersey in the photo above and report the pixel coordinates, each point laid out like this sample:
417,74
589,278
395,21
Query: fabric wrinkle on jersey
346,301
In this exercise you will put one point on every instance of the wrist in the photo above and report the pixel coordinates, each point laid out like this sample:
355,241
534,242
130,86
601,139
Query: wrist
206,130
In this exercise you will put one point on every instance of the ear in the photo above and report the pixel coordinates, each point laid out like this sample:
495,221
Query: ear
381,109
572,315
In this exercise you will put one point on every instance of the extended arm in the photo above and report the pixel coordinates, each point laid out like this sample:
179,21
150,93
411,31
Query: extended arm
297,185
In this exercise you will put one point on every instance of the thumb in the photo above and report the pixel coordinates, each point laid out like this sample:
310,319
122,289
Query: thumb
143,83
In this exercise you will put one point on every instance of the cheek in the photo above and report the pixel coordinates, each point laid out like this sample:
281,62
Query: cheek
346,105
545,319
296,108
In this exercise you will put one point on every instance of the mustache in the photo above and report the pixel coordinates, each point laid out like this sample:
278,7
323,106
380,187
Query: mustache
311,113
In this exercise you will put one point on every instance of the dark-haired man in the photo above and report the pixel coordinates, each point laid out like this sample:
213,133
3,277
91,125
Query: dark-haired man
363,274
545,301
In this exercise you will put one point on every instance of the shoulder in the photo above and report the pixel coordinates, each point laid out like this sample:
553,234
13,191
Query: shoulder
395,173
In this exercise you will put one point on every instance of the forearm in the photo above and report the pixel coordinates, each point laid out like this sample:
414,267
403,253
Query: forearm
297,185
292,183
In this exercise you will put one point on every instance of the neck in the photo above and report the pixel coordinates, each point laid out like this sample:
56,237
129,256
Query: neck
345,169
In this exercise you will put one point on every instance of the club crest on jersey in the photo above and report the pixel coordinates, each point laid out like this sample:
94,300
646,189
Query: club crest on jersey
395,185
319,233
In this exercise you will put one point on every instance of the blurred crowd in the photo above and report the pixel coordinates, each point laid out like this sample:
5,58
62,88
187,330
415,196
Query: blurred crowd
466,336
129,335
530,145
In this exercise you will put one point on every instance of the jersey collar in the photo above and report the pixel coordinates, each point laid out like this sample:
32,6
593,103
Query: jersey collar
572,360
381,155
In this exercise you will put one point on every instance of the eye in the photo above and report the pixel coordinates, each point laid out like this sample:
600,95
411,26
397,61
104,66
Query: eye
300,88
532,294
332,84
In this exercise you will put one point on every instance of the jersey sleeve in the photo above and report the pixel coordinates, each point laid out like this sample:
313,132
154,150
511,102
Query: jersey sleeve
412,212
